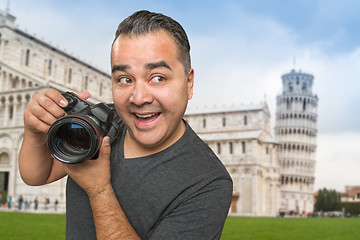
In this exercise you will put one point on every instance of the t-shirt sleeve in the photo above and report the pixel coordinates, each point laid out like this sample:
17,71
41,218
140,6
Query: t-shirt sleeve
200,216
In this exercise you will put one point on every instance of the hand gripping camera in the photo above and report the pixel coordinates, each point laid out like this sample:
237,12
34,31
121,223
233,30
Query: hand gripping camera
78,135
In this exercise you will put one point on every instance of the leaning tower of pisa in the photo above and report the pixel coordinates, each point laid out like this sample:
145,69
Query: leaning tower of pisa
295,131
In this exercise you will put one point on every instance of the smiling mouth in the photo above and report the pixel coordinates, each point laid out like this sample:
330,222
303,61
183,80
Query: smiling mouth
146,118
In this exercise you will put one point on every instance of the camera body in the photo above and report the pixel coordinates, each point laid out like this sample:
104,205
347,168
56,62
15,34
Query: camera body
77,136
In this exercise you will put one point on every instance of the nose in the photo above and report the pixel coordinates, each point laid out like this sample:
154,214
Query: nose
141,94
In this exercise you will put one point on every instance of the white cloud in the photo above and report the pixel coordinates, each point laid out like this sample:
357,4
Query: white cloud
338,161
337,83
242,69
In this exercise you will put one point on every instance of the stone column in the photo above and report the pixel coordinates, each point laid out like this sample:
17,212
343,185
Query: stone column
6,115
14,112
2,82
7,81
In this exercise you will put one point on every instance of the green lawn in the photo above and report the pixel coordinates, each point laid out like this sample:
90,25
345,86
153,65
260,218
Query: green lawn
27,226
291,229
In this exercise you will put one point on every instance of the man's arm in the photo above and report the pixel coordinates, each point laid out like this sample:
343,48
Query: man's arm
93,176
36,165
110,220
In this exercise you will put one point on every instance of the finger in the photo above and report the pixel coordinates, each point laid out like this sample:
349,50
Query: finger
105,148
34,123
54,102
47,102
57,97
83,95
34,114
45,109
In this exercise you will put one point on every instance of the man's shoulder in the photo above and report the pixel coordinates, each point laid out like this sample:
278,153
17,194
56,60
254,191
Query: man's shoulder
200,156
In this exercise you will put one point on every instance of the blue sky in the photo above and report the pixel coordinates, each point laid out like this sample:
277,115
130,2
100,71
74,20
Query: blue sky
240,49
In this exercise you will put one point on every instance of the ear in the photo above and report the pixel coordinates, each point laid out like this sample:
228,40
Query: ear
190,83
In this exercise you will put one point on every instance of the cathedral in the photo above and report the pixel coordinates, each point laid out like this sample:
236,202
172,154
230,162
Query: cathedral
241,138
270,174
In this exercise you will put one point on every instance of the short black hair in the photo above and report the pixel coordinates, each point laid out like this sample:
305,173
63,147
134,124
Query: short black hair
143,22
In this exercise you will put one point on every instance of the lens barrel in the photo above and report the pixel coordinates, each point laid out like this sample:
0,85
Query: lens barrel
74,138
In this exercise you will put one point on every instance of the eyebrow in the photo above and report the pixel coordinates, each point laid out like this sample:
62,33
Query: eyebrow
154,65
149,66
120,67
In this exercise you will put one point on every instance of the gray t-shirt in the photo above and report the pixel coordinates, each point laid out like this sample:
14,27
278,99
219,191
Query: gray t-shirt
182,192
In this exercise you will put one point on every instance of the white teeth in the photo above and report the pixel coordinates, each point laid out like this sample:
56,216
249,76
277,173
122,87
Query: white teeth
145,115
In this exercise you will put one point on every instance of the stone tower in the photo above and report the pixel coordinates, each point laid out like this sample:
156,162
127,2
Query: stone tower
295,131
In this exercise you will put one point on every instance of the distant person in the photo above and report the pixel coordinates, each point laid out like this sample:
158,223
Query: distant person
29,204
26,204
20,202
36,203
9,201
158,179
56,205
46,203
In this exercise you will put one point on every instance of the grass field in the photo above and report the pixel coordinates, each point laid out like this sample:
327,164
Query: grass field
27,226
291,229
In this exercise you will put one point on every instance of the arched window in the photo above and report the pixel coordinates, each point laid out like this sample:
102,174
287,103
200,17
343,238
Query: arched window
69,75
231,150
218,148
4,158
304,87
11,108
304,105
86,83
288,104
243,144
49,66
290,87
27,57
11,112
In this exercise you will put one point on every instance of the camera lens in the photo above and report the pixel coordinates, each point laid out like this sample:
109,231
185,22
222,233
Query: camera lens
73,139
75,136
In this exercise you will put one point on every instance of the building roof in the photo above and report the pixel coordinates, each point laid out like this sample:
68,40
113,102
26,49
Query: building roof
220,109
230,135
355,190
10,24
270,139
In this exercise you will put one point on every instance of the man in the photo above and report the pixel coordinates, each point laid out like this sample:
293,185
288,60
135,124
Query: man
158,180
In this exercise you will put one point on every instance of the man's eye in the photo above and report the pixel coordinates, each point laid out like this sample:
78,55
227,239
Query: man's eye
125,80
157,79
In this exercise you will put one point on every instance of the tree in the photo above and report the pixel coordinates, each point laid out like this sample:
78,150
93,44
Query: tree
327,200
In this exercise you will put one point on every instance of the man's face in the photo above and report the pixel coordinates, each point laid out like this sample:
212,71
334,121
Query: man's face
150,90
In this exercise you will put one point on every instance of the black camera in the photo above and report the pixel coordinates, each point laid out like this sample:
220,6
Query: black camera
77,136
